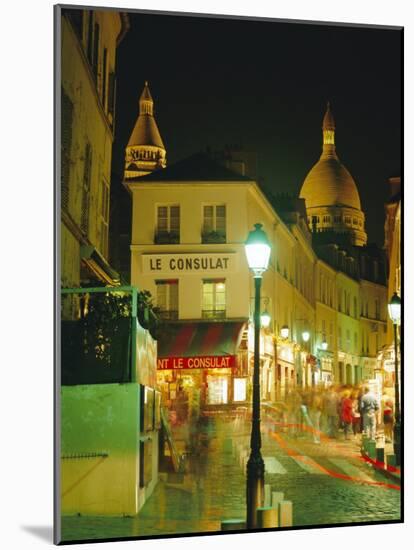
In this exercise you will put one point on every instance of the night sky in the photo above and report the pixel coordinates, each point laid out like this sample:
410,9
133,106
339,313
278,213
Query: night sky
264,86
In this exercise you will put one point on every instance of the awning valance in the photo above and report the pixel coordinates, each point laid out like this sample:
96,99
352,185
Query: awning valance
200,339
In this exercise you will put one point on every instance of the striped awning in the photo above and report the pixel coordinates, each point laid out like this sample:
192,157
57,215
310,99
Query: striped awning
200,339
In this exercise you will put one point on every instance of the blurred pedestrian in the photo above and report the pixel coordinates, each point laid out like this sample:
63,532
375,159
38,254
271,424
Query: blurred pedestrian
330,408
315,411
356,415
346,413
388,418
369,408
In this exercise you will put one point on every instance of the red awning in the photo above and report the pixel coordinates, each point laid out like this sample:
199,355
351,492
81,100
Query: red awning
200,339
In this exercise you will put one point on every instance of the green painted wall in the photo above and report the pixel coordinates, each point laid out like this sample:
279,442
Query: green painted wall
102,419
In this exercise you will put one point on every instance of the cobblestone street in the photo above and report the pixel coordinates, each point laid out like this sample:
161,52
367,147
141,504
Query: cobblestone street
327,483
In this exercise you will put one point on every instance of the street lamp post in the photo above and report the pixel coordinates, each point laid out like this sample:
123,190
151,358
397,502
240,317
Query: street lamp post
258,254
394,311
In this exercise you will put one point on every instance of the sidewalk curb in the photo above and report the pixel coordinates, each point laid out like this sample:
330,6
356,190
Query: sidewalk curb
379,466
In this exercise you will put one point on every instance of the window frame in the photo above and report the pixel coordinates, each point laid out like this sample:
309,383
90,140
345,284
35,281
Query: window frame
214,230
215,312
168,312
168,234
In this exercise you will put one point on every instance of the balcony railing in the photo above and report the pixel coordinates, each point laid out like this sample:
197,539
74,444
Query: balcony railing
167,315
213,314
213,237
167,237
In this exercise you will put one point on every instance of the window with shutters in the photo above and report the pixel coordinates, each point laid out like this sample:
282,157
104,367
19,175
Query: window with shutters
214,223
168,224
89,38
104,215
111,97
214,299
86,187
65,146
104,78
377,309
348,340
95,60
167,298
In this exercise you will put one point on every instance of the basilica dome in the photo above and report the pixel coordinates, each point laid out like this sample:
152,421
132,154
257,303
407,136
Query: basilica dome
330,192
330,184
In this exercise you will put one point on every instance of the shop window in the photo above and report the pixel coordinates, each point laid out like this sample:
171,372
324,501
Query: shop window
214,223
168,224
217,390
167,298
240,389
214,299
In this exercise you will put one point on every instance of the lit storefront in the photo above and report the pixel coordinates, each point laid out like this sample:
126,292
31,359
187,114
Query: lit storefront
286,379
267,362
200,366
325,368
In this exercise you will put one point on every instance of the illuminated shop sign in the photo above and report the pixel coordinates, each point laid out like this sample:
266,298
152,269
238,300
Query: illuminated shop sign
205,362
188,263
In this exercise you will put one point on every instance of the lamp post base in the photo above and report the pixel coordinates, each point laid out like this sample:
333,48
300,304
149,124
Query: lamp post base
255,488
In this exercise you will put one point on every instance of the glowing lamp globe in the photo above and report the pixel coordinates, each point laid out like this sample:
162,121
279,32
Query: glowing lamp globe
305,336
265,319
258,249
324,345
394,309
284,332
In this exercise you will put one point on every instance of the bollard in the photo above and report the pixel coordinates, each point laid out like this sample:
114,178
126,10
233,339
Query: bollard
371,448
380,454
233,524
267,517
391,460
277,498
286,513
364,443
267,496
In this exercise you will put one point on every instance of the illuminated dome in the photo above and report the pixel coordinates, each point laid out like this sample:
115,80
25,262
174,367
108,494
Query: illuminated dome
329,183
330,192
145,151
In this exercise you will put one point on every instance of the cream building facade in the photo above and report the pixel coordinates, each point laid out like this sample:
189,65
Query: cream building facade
392,245
87,104
190,223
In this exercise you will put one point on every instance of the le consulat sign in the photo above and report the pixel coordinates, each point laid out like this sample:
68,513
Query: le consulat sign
188,263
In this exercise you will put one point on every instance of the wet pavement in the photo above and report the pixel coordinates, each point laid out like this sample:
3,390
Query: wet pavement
327,483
